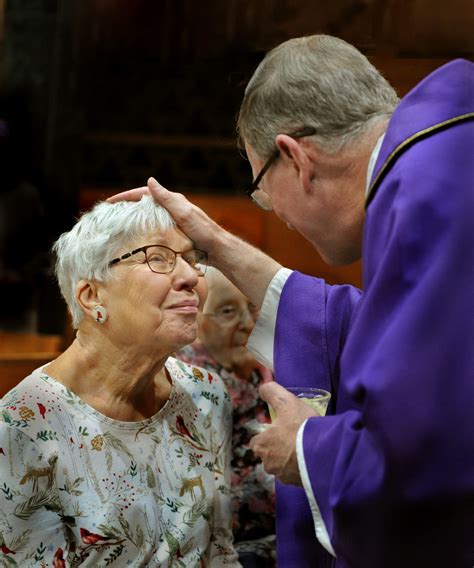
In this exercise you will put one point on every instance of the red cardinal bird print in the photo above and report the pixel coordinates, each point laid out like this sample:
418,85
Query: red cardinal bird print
41,408
58,559
182,429
91,538
1,451
4,548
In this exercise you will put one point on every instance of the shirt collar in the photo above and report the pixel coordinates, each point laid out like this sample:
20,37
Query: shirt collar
372,161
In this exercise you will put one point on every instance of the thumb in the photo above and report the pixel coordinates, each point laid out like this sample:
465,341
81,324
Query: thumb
157,190
275,395
176,204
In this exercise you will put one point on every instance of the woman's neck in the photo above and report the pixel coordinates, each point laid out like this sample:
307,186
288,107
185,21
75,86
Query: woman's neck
123,386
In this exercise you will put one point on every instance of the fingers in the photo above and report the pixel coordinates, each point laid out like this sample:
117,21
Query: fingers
257,446
159,193
277,449
129,195
190,219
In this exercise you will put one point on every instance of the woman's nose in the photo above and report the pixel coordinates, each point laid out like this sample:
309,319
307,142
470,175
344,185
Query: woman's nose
185,274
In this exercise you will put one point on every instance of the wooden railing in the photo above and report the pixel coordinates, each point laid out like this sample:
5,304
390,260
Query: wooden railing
22,353
15,367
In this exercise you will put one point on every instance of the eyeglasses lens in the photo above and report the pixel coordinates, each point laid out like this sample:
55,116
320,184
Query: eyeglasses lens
262,200
162,260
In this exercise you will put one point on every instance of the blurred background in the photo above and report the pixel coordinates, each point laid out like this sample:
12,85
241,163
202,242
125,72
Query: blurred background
97,95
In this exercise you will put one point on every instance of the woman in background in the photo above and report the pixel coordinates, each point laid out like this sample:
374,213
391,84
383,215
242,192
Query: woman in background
115,453
224,328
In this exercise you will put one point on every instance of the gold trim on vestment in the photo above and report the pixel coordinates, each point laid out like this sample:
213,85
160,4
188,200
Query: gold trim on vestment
403,146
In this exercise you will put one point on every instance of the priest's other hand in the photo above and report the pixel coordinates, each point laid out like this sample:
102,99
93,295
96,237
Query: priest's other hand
276,446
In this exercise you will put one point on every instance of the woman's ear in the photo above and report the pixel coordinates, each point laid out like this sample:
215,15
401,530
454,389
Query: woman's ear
87,295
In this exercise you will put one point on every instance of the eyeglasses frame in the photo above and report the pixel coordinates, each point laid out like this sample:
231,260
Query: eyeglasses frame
176,253
301,133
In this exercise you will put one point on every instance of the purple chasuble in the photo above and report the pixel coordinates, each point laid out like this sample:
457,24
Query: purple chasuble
392,469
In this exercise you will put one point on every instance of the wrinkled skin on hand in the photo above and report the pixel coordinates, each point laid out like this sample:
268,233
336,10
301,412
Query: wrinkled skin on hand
276,446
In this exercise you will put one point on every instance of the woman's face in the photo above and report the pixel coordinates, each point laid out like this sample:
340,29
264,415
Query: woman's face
156,311
226,322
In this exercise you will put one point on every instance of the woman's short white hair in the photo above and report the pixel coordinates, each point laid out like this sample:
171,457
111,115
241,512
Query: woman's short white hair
99,236
319,82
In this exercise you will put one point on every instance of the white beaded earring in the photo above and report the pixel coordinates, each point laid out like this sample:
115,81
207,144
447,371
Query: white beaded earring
99,313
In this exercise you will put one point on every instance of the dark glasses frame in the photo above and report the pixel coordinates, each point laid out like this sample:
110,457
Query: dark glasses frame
253,187
201,253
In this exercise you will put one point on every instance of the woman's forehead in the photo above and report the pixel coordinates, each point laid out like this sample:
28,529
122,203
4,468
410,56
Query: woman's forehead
173,238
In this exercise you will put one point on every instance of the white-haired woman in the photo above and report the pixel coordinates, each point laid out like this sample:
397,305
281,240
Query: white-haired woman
115,453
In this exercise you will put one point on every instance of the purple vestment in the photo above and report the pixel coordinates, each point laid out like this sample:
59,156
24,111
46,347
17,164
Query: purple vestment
392,470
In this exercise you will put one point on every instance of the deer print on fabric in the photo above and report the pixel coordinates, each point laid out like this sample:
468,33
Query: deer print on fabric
35,474
189,483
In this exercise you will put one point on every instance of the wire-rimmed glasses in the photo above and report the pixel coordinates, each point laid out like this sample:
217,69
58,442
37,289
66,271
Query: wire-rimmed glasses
162,260
256,194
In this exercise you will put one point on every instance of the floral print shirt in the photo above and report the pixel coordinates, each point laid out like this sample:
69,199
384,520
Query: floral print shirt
80,489
253,493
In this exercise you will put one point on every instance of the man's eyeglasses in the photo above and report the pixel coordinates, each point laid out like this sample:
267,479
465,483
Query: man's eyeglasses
253,191
162,260
231,315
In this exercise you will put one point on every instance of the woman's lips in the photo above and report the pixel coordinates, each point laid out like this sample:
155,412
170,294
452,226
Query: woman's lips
186,306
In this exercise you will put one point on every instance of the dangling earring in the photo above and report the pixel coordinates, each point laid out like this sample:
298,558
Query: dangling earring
99,313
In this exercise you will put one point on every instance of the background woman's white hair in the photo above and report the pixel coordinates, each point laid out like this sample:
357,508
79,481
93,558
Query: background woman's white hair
317,81
99,235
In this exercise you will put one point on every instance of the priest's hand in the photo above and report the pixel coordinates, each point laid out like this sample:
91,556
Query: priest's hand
205,233
276,446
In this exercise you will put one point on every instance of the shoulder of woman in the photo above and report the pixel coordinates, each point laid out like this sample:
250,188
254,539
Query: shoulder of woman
208,382
196,374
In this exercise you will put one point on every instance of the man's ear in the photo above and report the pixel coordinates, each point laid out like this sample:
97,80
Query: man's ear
298,155
87,295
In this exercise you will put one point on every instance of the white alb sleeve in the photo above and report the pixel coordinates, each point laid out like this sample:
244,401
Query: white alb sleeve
319,525
260,342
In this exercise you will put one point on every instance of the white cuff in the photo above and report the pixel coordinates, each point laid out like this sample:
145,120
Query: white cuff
320,528
260,342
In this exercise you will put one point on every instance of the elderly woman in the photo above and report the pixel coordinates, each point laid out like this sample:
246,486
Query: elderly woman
225,324
115,453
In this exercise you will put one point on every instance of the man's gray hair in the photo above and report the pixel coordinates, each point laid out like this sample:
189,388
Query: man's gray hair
317,81
100,235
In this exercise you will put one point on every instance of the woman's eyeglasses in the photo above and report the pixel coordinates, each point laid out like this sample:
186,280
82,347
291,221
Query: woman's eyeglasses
162,260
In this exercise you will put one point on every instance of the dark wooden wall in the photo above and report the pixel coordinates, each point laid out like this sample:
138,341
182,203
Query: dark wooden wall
119,90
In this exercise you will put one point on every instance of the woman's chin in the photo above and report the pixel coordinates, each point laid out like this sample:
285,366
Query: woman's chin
241,357
187,339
